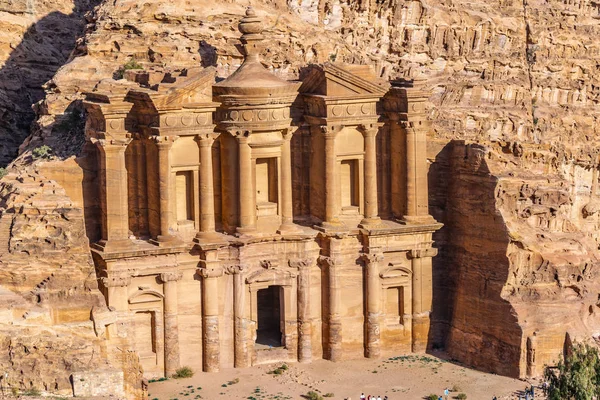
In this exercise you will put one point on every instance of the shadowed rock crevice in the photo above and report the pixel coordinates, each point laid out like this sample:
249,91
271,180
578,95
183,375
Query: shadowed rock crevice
32,60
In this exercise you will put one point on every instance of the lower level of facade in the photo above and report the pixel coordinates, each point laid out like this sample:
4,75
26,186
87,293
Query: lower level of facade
228,301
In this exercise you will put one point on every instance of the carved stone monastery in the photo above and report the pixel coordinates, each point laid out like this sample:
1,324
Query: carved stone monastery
256,219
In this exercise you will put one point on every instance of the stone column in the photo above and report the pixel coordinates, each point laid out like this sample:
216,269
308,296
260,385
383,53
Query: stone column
332,190
240,326
164,144
416,172
304,318
334,341
117,291
422,294
169,280
373,297
246,193
371,214
114,199
397,167
287,208
207,194
210,298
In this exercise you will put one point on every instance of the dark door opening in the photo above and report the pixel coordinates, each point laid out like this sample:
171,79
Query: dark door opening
268,302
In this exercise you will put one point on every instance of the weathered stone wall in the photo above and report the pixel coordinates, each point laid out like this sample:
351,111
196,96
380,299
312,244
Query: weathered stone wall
49,289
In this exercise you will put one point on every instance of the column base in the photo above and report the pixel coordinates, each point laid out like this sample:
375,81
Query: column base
289,228
245,231
370,223
210,237
112,246
417,220
332,226
420,332
166,241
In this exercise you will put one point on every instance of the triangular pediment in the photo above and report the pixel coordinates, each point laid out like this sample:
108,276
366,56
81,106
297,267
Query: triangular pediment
333,80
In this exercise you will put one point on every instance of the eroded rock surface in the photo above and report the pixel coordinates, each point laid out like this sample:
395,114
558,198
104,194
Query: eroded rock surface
513,162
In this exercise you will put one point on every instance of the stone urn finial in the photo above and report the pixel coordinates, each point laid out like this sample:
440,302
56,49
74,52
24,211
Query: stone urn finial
251,27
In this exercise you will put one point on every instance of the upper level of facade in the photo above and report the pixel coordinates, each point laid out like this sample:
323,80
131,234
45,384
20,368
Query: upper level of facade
183,158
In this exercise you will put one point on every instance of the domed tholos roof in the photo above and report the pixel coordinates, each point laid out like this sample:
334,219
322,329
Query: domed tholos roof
252,79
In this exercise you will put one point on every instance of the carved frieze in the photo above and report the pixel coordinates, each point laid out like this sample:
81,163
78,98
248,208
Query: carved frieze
321,108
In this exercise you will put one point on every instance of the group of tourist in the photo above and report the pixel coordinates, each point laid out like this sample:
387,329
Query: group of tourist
369,397
529,392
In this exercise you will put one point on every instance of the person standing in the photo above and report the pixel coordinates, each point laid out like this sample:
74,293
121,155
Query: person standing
362,396
446,393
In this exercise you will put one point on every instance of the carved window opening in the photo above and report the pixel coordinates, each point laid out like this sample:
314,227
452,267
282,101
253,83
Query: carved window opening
394,305
185,197
266,185
270,308
349,185
145,337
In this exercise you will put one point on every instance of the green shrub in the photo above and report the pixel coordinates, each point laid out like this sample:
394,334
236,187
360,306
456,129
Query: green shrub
314,396
577,376
3,172
328,394
31,392
461,396
131,64
183,372
456,388
433,397
42,152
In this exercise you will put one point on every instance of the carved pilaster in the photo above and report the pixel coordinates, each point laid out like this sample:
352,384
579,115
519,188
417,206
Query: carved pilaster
373,295
422,294
304,317
334,320
207,202
164,144
172,360
210,299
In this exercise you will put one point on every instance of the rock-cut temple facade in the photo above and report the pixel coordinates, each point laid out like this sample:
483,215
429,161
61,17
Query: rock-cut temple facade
256,219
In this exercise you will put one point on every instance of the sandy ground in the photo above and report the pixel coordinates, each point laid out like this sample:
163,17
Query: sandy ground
399,377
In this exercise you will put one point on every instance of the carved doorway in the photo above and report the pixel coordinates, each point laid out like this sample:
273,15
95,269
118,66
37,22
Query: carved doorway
269,304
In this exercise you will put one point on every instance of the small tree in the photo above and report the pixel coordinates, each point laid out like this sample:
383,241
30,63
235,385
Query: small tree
577,377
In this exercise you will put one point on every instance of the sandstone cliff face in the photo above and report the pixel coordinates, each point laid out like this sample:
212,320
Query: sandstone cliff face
518,252
49,289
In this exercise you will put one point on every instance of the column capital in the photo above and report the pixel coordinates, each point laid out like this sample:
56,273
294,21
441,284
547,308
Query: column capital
328,131
116,281
422,253
330,262
206,139
234,269
164,141
288,133
373,257
301,263
241,135
369,129
111,145
214,272
171,276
